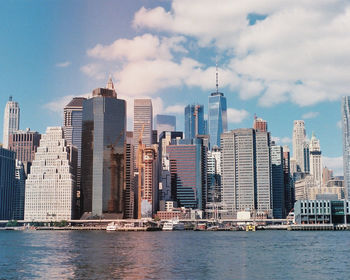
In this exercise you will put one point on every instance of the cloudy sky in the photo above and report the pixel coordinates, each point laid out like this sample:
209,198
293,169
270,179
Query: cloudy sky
283,60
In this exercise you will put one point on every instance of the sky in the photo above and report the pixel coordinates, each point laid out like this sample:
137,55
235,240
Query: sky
281,60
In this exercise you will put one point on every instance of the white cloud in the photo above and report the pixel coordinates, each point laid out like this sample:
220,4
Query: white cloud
63,64
236,116
142,47
282,141
58,105
334,163
298,53
310,115
94,70
175,109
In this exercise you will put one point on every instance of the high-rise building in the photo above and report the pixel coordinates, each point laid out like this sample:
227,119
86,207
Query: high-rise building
246,172
103,156
188,174
25,144
315,160
18,204
259,124
7,183
345,109
164,123
288,181
299,135
214,175
278,186
129,195
194,121
149,189
143,118
50,187
327,175
11,121
217,114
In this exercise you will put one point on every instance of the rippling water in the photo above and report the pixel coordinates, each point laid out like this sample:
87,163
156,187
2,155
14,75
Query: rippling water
174,255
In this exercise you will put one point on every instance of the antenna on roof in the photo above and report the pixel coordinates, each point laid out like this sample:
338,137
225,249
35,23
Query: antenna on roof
217,75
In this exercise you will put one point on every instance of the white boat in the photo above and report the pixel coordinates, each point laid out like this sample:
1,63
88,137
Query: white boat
173,225
111,227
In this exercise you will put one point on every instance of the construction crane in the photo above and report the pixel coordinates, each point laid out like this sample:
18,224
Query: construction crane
140,166
115,166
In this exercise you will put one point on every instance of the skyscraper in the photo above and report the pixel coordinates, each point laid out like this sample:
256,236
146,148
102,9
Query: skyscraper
278,187
143,117
103,157
164,123
194,121
345,109
217,115
315,160
7,183
25,144
18,203
11,121
50,187
188,174
72,127
129,196
246,172
299,135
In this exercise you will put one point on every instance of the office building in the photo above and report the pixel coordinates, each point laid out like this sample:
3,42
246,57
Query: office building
278,186
246,172
194,121
164,123
217,115
259,124
299,135
18,203
315,160
143,119
188,174
7,183
288,181
50,187
11,121
345,109
129,196
25,144
214,175
103,156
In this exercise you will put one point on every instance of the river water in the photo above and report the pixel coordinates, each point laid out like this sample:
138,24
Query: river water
174,255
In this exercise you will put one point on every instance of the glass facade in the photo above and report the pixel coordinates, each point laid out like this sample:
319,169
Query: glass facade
194,121
345,108
164,123
217,117
103,158
7,183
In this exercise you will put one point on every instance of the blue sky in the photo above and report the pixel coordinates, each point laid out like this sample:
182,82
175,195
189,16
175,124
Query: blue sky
282,62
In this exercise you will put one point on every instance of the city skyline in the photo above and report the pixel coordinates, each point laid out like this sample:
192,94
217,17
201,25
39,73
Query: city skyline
181,62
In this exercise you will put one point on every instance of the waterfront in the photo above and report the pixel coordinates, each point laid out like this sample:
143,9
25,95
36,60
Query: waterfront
174,255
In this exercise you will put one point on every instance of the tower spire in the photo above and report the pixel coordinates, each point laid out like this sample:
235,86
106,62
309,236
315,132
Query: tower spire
217,76
110,84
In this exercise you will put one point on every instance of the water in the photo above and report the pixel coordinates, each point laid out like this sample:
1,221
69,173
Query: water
174,255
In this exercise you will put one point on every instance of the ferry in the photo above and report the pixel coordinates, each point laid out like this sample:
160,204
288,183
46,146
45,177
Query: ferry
173,225
111,227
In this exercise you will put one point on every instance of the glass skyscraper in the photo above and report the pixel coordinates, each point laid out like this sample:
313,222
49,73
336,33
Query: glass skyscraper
217,117
103,156
164,123
345,108
194,121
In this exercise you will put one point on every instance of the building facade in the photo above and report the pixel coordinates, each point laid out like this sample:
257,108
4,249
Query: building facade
164,123
278,185
246,172
299,135
18,204
143,118
25,144
315,160
217,117
50,186
194,121
7,183
103,158
345,109
129,190
11,121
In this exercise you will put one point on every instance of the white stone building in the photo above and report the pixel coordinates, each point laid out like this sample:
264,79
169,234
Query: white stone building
50,187
11,121
315,160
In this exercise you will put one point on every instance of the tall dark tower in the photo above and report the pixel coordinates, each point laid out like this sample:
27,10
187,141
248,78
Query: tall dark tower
103,156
